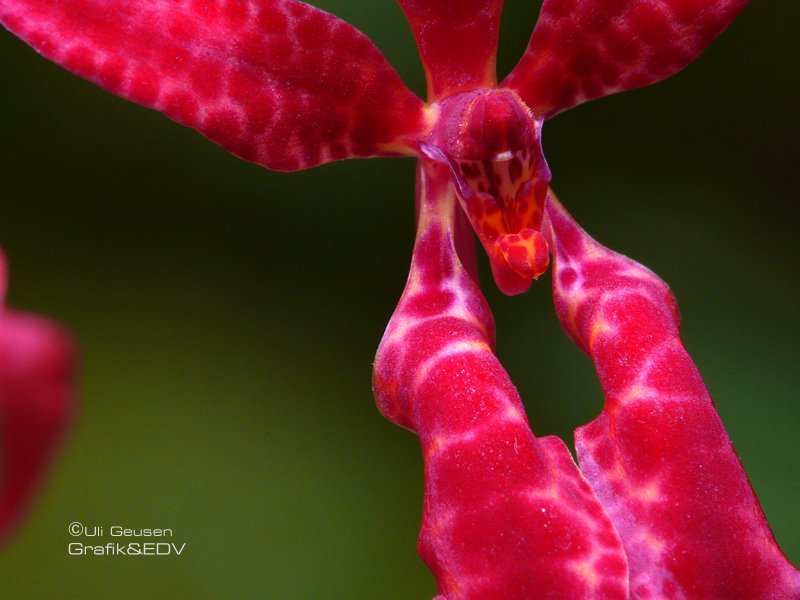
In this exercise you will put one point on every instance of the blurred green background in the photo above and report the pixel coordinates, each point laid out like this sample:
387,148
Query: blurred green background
226,367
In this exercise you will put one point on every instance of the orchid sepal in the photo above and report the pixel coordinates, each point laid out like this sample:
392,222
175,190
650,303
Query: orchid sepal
658,456
247,75
586,49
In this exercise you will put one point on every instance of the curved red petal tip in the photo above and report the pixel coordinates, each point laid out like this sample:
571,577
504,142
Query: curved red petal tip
658,456
276,82
506,515
585,49
457,41
37,398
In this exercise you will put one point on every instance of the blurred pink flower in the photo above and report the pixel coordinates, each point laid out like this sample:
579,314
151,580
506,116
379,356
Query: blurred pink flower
37,400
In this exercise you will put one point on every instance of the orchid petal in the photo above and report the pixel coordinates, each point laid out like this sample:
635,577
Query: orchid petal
658,456
506,515
36,403
457,40
585,49
276,82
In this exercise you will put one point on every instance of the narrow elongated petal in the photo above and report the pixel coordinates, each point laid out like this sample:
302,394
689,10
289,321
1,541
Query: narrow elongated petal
584,49
457,40
506,515
277,82
36,402
658,456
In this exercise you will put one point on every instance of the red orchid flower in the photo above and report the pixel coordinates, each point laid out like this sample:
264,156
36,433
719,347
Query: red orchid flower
660,507
37,397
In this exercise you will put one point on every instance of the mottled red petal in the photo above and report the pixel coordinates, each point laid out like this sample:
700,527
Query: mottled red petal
277,82
658,456
457,41
507,516
584,49
36,402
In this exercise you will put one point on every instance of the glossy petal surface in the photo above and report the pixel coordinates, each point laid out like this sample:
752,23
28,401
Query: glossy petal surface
658,456
276,82
584,49
506,516
36,402
457,40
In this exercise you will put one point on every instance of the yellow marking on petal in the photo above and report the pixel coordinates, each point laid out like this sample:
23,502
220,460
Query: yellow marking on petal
648,493
440,442
535,494
599,327
634,392
513,414
586,571
649,539
468,346
430,114
435,445
449,350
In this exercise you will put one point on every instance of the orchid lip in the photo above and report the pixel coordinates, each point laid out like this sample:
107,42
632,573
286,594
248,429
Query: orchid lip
503,197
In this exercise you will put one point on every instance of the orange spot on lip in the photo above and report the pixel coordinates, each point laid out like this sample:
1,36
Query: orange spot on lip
525,253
